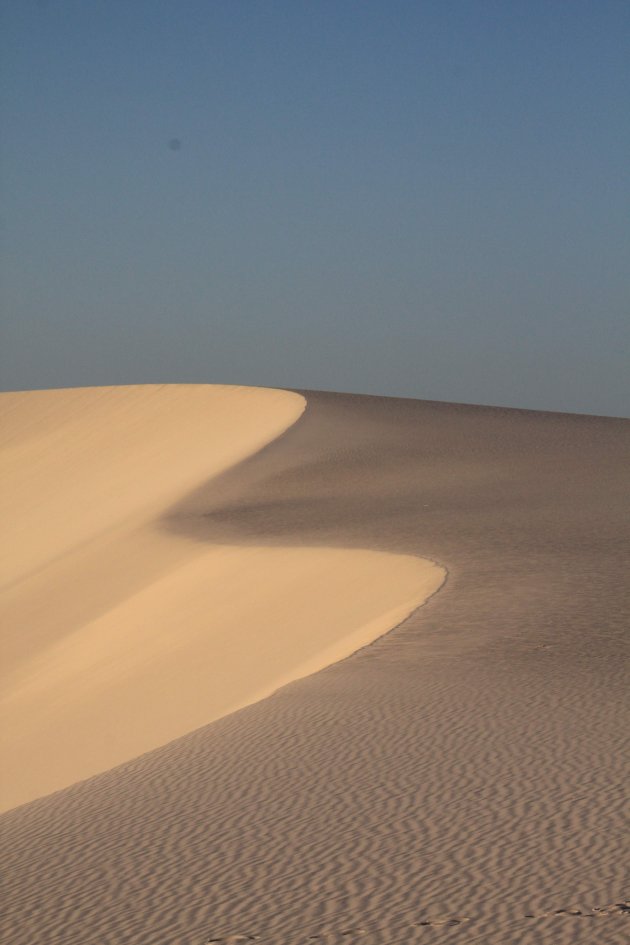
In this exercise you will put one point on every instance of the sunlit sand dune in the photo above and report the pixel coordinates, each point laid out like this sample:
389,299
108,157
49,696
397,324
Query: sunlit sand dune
192,550
78,463
120,635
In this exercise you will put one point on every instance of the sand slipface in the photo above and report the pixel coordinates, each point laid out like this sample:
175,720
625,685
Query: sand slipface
460,779
121,635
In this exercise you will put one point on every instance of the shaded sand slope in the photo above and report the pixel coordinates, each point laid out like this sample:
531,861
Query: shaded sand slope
119,635
459,780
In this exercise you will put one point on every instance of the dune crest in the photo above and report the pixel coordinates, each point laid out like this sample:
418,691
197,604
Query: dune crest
78,462
121,636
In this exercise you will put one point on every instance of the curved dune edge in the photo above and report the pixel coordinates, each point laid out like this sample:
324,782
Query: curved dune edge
133,637
78,462
224,630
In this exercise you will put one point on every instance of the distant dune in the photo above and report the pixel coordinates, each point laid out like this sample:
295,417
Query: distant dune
182,555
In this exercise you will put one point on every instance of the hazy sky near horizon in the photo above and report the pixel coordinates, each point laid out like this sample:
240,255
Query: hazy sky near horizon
425,199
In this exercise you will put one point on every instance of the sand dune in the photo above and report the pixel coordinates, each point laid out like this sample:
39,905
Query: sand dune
460,779
120,635
77,463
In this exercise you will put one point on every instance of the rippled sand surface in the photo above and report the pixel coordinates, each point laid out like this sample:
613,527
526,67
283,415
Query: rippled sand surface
459,779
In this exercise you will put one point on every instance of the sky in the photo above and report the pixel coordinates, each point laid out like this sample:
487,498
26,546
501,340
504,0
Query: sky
416,198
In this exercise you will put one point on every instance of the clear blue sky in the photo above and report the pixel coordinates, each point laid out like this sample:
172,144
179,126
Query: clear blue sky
426,199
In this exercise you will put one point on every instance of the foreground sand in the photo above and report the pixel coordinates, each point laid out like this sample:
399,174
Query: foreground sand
120,635
461,779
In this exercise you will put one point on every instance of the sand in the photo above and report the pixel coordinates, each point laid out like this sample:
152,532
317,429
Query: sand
460,779
121,635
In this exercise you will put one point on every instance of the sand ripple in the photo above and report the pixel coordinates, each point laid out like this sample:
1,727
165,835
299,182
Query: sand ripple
461,779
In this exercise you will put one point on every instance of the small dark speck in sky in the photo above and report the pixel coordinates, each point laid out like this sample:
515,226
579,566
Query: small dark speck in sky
175,144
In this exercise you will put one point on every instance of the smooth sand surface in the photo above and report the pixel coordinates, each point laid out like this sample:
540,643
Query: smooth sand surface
79,462
120,635
461,779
